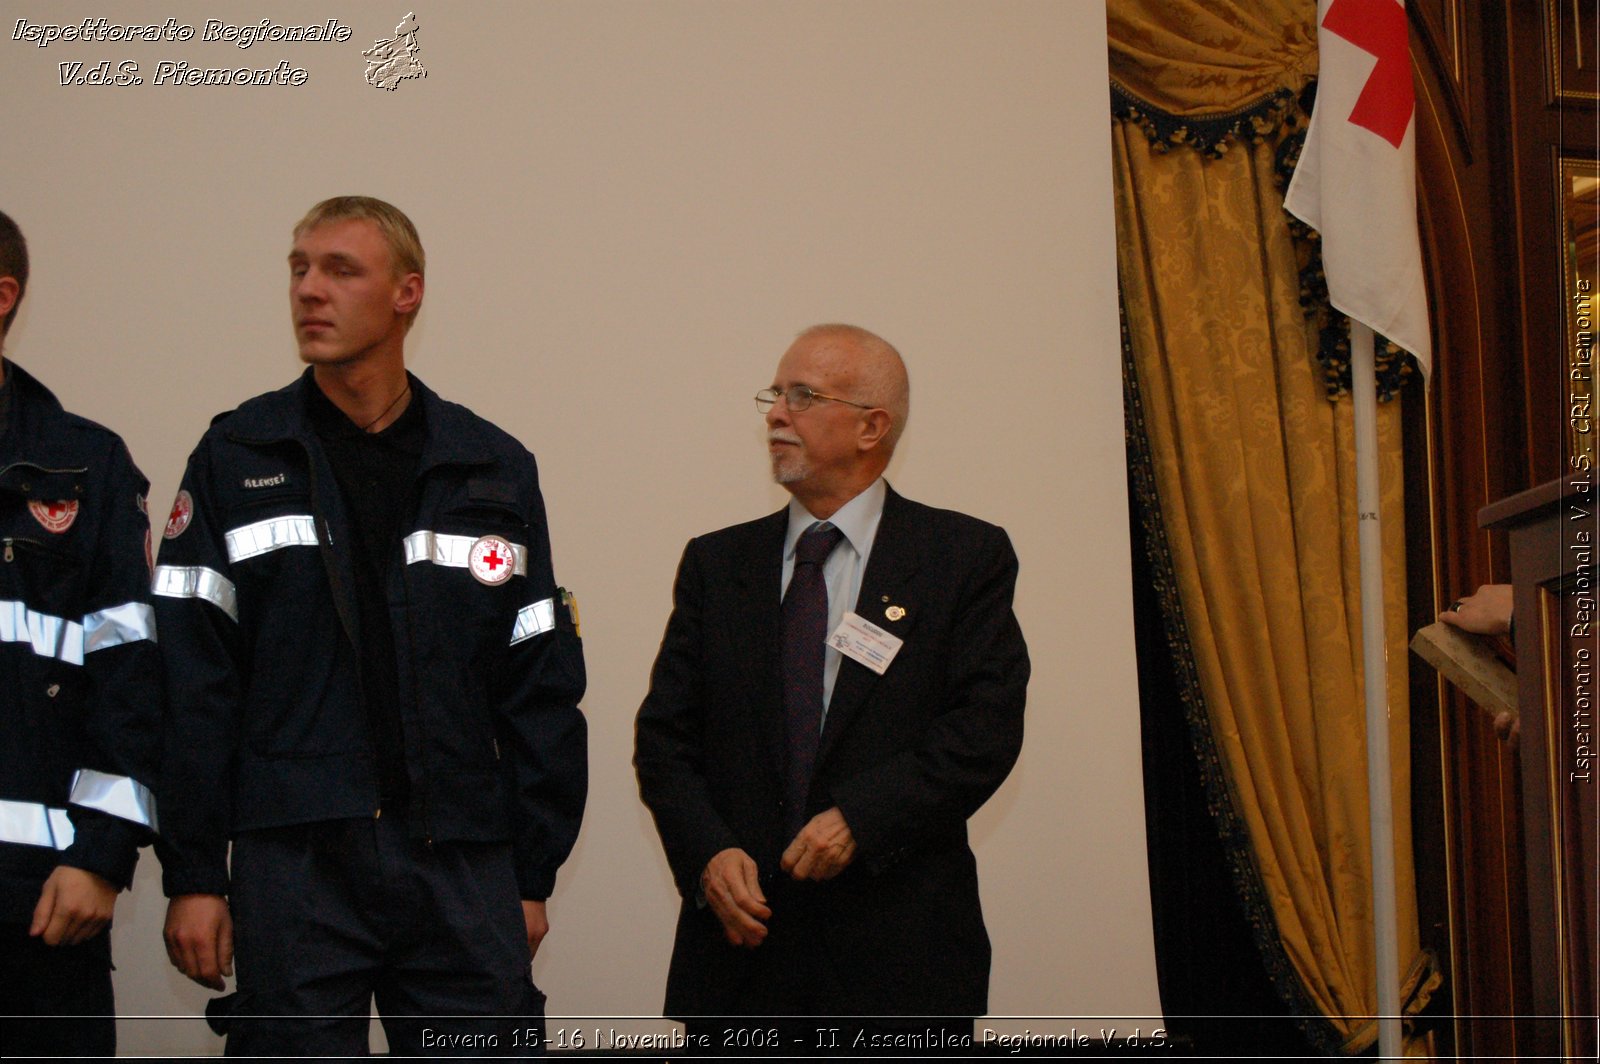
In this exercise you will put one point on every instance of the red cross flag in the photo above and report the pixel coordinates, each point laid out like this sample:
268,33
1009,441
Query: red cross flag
1356,181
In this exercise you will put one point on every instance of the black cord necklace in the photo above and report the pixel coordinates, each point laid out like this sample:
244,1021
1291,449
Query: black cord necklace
403,393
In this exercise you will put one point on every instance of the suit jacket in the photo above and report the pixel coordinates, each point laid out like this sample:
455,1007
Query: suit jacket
907,757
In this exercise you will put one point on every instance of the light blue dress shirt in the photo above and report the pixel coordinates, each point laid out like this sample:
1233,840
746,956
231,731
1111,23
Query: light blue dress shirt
858,520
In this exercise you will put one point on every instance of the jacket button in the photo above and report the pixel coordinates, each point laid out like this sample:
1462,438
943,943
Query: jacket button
53,690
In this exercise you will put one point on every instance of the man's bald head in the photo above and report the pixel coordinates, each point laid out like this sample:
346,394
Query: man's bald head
880,373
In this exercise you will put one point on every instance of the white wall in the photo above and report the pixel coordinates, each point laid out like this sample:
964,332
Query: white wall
629,208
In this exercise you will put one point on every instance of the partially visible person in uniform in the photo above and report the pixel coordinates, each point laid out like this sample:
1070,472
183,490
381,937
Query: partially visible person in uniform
374,687
840,687
80,703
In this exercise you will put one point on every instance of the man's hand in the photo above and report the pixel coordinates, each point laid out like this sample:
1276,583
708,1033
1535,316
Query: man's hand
74,906
822,850
1487,611
537,922
199,936
732,886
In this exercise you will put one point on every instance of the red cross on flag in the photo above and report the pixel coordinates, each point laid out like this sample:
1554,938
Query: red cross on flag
1356,180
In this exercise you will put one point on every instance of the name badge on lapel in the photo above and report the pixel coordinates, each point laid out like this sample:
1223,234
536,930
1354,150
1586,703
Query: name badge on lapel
860,640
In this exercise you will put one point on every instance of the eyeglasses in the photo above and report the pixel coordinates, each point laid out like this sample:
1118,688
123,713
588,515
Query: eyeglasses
798,397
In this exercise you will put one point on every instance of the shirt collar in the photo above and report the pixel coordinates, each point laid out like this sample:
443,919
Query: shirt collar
857,519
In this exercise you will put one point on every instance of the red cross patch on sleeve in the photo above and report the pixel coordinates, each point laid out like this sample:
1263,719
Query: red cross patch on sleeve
182,511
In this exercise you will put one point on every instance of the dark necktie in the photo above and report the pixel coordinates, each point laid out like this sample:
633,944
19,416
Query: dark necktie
805,627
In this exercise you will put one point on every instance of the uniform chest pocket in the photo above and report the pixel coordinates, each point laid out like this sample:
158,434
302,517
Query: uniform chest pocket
482,534
41,579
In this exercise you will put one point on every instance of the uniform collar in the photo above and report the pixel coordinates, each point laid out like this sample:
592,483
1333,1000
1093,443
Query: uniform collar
33,429
452,435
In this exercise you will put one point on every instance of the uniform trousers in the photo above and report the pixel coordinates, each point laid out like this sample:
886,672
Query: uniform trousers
332,915
57,999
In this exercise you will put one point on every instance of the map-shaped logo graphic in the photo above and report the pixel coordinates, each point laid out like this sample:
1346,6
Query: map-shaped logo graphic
389,62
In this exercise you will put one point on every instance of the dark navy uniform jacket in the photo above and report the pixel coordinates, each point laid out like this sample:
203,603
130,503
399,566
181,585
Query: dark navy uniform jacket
80,681
255,594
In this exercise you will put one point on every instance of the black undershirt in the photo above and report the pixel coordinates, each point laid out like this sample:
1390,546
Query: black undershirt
377,474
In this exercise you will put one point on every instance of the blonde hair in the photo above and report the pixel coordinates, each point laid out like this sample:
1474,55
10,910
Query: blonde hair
405,246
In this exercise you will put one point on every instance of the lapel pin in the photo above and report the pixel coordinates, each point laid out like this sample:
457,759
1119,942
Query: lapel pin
894,613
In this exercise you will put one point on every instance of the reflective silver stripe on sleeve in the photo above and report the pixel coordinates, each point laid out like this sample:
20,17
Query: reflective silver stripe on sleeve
275,533
32,824
121,796
534,620
126,623
50,637
196,581
452,551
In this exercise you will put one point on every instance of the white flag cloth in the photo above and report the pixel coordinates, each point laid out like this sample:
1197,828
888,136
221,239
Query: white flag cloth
1356,180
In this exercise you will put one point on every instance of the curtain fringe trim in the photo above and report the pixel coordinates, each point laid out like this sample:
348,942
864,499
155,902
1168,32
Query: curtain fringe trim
1210,135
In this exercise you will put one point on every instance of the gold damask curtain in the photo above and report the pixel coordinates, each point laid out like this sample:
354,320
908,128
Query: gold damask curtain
1251,469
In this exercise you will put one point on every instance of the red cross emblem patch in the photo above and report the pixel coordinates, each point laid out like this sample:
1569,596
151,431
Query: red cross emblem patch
182,511
491,560
56,517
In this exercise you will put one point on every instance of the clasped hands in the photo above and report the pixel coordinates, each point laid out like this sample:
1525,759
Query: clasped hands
731,882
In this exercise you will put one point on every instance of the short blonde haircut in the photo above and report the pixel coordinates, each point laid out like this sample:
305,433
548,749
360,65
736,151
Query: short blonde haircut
405,246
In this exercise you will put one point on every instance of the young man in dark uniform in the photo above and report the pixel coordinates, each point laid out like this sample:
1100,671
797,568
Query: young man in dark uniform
374,685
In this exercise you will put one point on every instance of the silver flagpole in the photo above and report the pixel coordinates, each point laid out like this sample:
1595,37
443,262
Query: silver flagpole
1375,672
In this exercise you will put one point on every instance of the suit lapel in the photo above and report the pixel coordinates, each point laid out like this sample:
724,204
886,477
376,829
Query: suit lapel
754,630
897,553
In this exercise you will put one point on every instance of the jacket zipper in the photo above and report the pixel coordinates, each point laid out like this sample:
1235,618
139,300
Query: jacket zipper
12,542
420,782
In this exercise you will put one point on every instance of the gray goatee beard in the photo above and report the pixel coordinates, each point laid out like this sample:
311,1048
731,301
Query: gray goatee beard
787,468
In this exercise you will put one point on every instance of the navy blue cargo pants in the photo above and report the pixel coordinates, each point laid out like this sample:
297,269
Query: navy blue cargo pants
329,917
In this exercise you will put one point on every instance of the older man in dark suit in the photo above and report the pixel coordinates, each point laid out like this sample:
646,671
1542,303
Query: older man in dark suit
840,687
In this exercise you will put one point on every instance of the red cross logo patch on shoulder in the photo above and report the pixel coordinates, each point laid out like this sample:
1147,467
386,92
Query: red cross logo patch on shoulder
491,560
182,511
56,517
